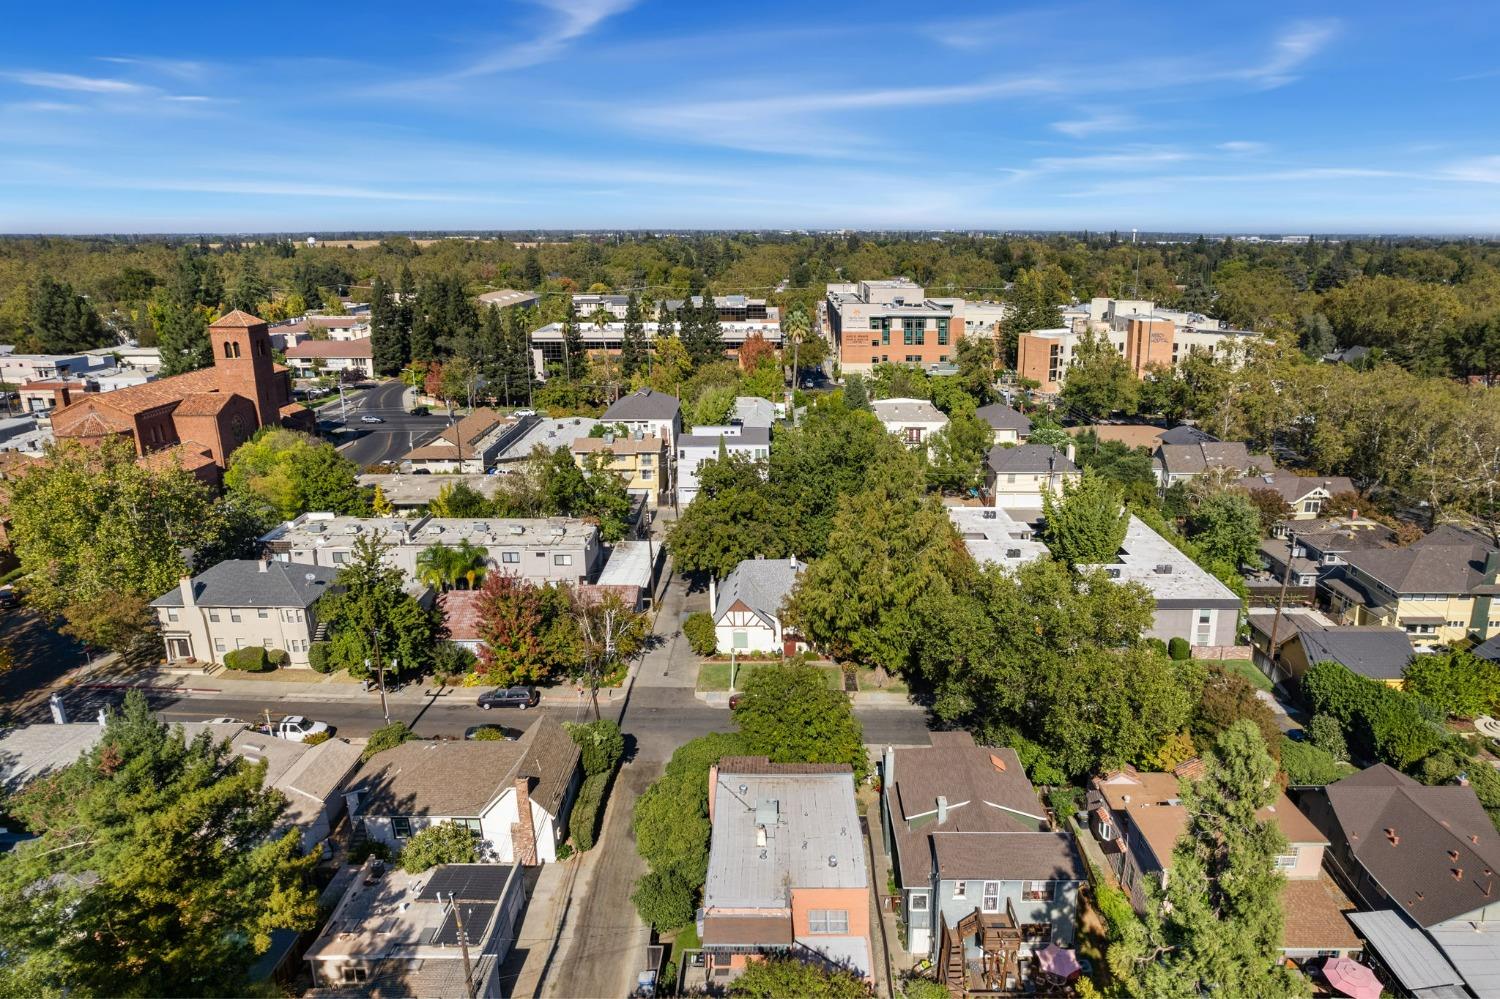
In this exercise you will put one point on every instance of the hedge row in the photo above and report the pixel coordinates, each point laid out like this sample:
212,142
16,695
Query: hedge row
254,659
583,824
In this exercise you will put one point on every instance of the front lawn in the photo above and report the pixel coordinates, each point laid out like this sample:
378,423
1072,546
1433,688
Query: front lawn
1244,668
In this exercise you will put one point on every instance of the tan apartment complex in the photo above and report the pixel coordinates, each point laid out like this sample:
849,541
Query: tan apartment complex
892,321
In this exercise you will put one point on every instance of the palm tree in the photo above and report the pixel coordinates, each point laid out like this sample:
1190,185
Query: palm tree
470,562
436,566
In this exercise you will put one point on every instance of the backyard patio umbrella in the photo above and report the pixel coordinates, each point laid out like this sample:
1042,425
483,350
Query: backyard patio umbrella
1058,961
1351,978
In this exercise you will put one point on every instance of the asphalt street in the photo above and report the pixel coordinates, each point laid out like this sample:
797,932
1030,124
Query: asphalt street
368,444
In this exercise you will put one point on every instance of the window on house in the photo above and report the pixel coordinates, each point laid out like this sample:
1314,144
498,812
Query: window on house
171,615
828,920
919,901
219,645
942,332
213,616
263,614
401,827
562,560
1038,891
1286,861
355,975
645,475
470,824
990,901
339,558
741,640
960,889
234,616
510,558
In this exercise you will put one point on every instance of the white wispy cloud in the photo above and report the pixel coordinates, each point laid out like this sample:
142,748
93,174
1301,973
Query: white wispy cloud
1290,50
1242,147
1480,170
1097,123
570,20
76,82
44,107
181,69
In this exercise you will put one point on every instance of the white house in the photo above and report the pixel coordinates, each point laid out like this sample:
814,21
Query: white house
748,603
332,356
704,444
648,411
913,420
1018,477
485,786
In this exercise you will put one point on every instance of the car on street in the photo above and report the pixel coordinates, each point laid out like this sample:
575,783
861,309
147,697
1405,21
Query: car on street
523,412
295,728
9,597
367,418
510,697
499,733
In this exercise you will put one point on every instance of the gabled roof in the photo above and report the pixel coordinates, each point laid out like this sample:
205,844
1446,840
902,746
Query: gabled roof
644,404
1029,459
1427,847
1184,434
1292,487
1191,459
761,584
363,347
1002,417
461,779
1019,856
253,583
1374,652
1424,567
907,411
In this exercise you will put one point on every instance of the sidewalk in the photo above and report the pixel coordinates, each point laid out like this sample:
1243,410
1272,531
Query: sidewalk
305,685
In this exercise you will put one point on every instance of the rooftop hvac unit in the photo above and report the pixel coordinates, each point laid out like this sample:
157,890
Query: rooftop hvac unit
517,529
558,532
1012,553
1164,569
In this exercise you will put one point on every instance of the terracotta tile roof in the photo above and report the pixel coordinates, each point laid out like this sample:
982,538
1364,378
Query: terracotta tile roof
238,319
136,399
331,348
98,424
461,613
204,403
190,455
1315,919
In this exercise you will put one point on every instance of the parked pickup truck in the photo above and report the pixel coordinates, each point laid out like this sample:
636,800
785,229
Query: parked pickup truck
294,728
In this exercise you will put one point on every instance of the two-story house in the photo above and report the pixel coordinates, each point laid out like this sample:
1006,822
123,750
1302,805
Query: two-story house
1184,462
647,411
487,786
984,882
1018,477
640,460
1010,427
241,603
705,444
786,868
914,421
1305,494
1317,547
1138,817
1439,589
747,606
1425,862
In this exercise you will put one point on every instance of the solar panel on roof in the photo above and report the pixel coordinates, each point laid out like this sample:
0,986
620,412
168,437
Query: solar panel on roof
476,918
468,882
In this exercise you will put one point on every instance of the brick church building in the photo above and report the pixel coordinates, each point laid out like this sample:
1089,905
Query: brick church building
200,417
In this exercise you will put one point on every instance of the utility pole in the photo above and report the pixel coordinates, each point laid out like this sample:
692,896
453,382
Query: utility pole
1286,575
463,944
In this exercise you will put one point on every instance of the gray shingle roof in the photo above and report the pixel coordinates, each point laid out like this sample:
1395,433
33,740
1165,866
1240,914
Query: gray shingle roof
1184,434
1009,856
747,437
1377,653
1292,487
1029,459
1423,568
1002,417
643,404
252,583
461,778
762,584
1428,825
1189,459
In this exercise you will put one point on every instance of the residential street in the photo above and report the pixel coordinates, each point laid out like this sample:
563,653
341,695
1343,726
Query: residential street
372,444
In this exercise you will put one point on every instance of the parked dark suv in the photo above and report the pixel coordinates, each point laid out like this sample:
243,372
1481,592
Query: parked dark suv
510,697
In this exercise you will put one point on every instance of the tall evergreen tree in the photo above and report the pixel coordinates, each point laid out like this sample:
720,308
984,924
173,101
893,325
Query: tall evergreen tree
633,344
1217,928
182,335
424,324
406,303
387,341
306,285
61,322
492,352
518,370
531,270
573,355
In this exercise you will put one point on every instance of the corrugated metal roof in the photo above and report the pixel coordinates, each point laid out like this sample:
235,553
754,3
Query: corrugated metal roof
1405,950
1474,949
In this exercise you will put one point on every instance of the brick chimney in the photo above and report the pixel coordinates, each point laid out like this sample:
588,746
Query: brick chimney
523,831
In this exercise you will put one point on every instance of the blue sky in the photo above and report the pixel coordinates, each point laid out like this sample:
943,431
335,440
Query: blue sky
177,116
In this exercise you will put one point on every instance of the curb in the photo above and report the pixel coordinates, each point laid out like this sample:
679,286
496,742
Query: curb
147,687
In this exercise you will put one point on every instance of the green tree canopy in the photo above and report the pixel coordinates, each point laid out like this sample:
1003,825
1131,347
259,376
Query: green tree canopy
1458,683
372,618
441,843
957,452
155,870
791,715
733,518
1099,381
1226,528
789,978
294,473
1086,525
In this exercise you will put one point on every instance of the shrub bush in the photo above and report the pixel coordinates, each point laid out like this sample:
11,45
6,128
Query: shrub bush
1156,645
247,660
1325,732
385,737
317,738
1306,764
700,633
1378,721
277,658
319,659
488,735
445,843
1179,649
451,661
602,744
583,823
